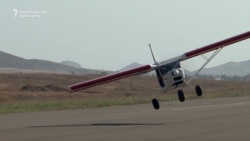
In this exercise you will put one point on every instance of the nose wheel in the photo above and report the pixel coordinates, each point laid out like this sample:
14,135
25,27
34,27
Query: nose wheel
181,95
155,104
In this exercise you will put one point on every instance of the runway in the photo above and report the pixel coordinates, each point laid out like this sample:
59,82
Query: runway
194,120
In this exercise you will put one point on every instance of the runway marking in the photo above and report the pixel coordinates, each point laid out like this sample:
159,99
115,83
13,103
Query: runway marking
201,107
209,106
97,124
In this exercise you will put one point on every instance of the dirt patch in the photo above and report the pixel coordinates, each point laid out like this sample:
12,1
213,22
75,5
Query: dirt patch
56,88
50,87
29,87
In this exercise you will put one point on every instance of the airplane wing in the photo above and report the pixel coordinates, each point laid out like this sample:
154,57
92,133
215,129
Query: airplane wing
215,46
110,78
208,48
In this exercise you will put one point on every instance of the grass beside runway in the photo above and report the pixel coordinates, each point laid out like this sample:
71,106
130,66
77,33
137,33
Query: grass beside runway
69,102
43,92
41,104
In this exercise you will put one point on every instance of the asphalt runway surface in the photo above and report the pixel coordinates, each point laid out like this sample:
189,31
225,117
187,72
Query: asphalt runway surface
223,119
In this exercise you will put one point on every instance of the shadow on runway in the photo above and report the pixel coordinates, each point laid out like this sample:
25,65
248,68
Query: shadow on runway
99,124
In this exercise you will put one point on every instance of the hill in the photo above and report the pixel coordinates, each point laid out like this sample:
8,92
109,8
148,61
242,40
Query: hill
72,64
229,69
12,63
9,63
130,66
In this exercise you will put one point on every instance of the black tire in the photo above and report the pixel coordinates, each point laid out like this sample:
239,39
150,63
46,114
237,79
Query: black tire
181,95
155,104
198,90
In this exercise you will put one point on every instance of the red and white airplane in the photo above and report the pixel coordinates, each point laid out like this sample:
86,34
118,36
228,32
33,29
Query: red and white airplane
170,74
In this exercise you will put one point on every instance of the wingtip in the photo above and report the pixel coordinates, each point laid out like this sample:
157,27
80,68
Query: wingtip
69,89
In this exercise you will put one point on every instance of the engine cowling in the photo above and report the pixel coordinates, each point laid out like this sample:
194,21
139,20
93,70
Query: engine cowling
173,79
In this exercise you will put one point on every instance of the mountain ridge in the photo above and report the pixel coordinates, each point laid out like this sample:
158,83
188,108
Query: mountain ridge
72,64
36,65
9,62
230,69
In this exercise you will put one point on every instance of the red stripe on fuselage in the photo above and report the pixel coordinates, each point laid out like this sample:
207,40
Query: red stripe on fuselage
108,78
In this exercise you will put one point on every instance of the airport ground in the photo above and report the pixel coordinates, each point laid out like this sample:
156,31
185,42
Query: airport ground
221,114
224,119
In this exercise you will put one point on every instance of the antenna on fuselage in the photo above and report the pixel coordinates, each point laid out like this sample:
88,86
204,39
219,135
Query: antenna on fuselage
153,55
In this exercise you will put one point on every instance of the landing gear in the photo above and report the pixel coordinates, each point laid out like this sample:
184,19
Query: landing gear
155,104
198,90
181,95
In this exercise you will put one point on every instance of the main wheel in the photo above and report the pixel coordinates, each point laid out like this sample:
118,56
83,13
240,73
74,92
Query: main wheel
181,95
155,104
198,90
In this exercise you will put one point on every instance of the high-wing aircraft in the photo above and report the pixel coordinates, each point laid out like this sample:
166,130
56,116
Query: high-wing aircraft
170,74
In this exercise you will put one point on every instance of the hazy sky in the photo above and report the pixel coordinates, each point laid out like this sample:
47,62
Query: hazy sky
110,34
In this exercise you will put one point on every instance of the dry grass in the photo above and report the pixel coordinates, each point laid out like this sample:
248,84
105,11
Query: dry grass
36,92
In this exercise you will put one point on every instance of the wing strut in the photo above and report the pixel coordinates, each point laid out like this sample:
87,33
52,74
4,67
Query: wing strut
153,55
207,61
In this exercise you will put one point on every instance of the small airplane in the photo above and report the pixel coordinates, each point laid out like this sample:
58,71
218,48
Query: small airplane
170,74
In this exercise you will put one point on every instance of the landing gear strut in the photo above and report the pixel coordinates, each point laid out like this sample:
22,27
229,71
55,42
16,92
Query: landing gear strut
155,104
